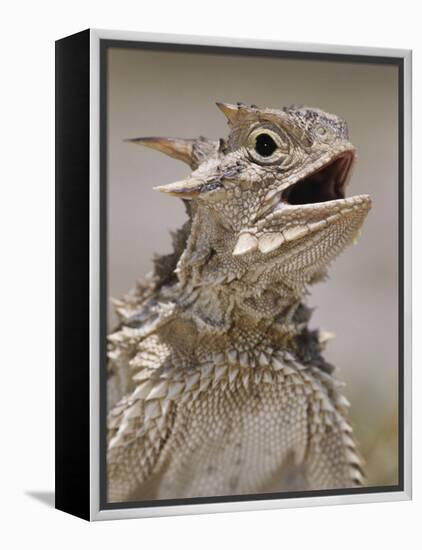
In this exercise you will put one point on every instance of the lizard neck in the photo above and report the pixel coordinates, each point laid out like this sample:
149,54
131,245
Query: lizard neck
227,290
209,319
223,302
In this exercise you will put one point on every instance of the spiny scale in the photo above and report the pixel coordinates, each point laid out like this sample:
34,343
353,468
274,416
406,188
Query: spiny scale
233,383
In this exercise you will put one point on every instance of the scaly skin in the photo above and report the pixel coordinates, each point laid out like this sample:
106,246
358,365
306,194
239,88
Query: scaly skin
216,384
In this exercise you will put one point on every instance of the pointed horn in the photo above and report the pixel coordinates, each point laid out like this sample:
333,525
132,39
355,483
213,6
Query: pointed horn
180,149
230,111
186,189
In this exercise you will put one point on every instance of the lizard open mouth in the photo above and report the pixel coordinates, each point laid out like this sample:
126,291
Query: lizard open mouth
325,184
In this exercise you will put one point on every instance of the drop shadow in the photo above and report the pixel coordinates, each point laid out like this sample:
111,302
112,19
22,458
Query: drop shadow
45,497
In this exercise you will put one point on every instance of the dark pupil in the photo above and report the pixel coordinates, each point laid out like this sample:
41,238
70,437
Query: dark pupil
265,145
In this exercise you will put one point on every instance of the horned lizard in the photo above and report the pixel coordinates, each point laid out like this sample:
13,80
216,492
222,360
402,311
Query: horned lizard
216,384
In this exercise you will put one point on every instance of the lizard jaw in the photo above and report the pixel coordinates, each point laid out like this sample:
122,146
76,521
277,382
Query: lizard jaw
288,224
307,206
315,201
325,180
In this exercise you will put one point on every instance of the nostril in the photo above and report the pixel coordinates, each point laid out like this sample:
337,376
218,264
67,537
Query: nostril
211,185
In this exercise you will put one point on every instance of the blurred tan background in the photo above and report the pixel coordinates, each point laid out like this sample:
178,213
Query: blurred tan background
174,94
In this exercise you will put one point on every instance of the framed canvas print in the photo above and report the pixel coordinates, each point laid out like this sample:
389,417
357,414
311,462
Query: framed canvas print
221,345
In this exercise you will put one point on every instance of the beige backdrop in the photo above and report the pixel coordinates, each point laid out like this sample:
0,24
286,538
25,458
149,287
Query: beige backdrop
174,94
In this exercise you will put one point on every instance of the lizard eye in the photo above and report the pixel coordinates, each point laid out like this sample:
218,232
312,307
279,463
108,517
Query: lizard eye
267,146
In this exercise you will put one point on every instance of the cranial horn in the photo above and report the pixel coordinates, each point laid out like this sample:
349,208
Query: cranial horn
230,111
177,148
186,189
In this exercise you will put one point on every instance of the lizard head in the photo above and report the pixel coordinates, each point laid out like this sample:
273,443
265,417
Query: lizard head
271,197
